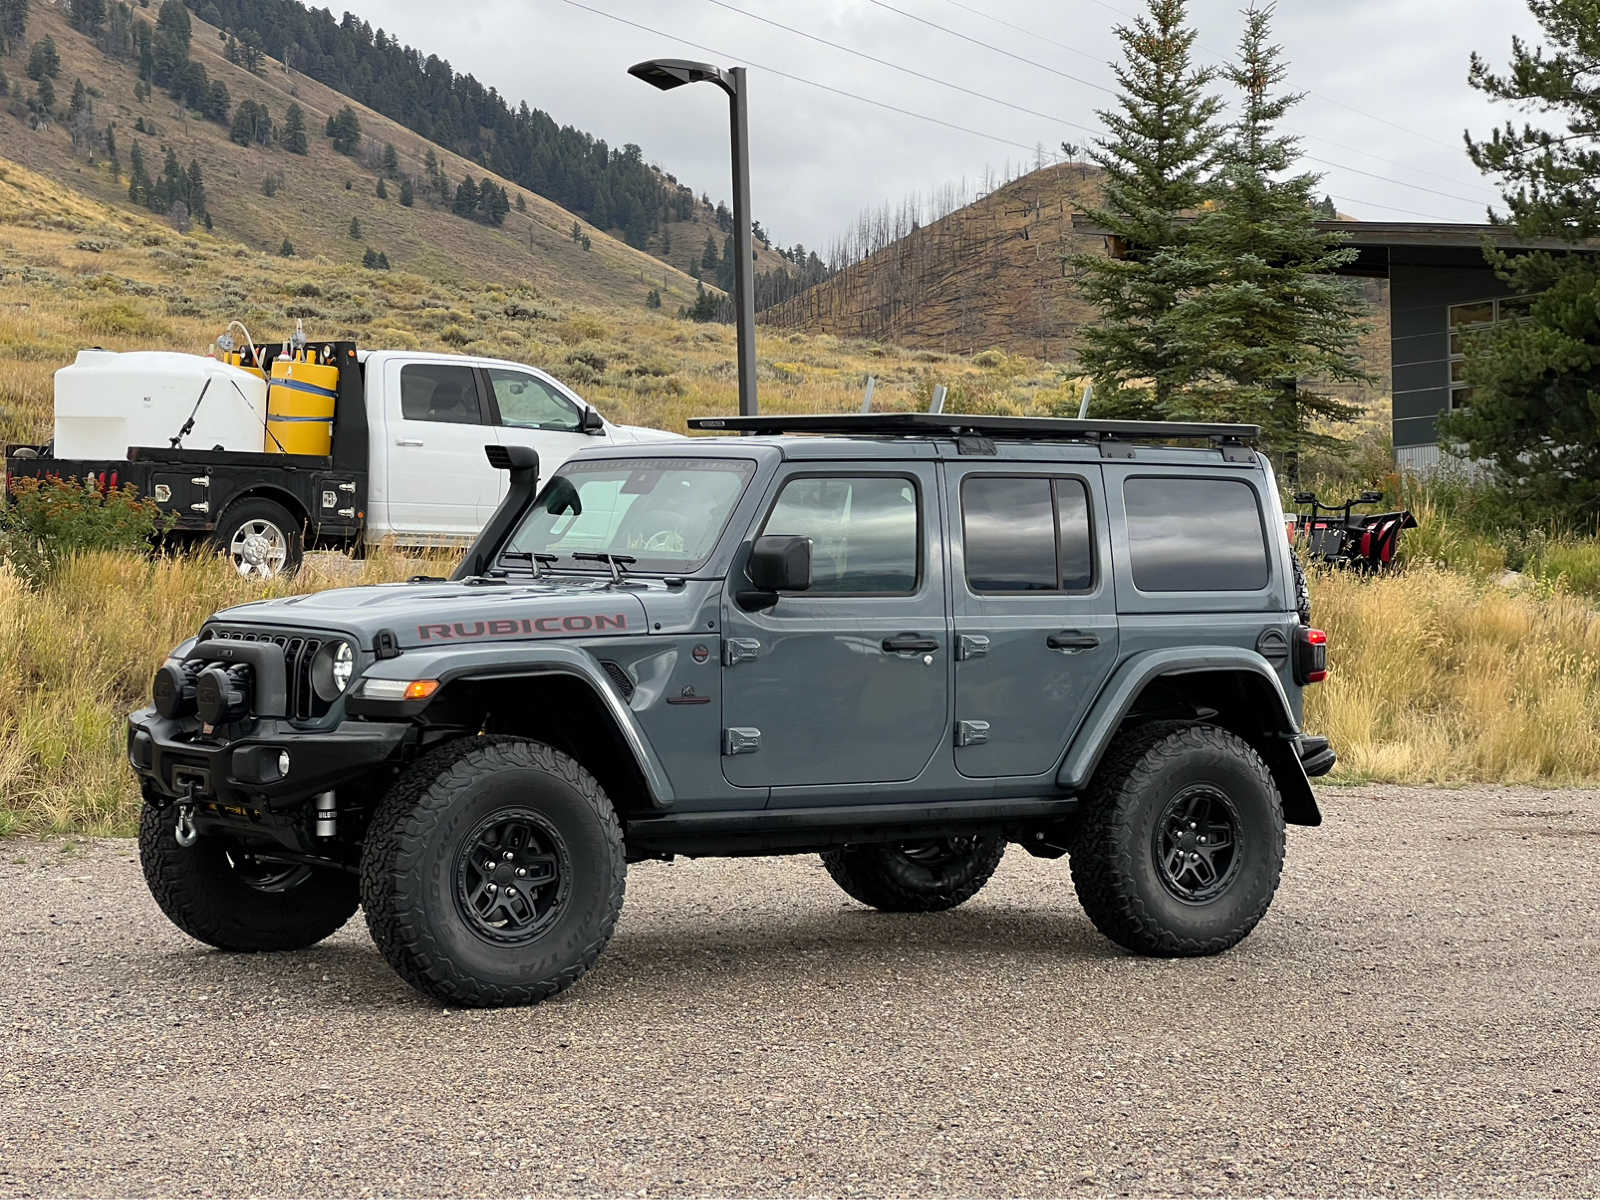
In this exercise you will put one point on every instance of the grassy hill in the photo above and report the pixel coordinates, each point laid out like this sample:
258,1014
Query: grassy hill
317,195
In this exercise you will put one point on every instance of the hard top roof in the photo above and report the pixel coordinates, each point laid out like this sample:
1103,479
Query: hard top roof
924,424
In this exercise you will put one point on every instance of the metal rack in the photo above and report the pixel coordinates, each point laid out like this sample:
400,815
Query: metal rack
924,424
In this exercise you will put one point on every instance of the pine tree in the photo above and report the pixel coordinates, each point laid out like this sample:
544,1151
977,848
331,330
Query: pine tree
287,249
80,98
370,258
344,128
382,192
43,61
708,256
1276,325
170,45
13,23
577,233
466,201
138,178
355,229
46,99
294,131
87,16
391,160
407,196
1532,416
1161,145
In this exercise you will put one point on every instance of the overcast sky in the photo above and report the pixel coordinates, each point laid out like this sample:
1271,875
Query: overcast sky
819,158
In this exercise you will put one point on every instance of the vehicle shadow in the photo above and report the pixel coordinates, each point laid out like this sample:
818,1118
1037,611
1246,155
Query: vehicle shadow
702,956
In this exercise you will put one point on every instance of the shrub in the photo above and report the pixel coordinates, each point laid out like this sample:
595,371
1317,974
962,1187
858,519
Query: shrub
51,519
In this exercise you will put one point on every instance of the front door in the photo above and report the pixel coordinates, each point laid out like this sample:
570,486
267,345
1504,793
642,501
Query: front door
847,682
1035,613
531,411
440,484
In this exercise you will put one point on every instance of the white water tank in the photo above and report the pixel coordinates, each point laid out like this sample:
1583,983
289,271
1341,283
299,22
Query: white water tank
108,401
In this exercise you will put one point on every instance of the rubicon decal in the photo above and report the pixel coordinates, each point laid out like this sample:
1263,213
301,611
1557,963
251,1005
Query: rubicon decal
470,631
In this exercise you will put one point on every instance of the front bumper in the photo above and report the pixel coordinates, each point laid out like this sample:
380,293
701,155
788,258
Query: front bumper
173,759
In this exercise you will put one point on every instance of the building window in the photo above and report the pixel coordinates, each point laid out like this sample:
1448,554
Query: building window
1464,319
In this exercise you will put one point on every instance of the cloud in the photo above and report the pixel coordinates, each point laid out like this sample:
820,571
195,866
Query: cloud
818,158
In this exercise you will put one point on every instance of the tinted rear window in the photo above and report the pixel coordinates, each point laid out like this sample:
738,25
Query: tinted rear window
1195,535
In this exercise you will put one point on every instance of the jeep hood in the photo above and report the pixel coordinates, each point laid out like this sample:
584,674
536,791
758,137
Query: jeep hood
442,614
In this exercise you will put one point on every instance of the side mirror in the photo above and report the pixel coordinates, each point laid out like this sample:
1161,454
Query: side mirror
778,563
591,423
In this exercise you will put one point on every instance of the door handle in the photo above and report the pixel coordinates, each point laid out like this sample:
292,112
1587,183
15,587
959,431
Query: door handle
909,643
408,441
1072,640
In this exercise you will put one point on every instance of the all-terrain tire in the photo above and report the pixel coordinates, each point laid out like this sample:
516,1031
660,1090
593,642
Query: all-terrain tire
1302,588
417,865
916,876
224,898
1125,833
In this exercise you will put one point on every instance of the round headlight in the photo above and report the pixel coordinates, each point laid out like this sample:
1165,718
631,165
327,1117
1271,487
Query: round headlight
332,669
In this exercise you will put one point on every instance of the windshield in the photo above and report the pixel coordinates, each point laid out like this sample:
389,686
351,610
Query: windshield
664,513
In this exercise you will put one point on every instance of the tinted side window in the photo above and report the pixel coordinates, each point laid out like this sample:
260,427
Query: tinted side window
439,392
1077,541
1195,535
527,402
1009,534
863,531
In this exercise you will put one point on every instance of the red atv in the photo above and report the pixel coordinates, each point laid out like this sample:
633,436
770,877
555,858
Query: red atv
1361,542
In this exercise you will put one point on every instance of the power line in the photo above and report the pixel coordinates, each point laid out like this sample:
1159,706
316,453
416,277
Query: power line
1099,87
882,62
904,112
1385,179
978,12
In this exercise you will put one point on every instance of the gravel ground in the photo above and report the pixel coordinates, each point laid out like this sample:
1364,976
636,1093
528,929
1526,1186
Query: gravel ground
1419,1013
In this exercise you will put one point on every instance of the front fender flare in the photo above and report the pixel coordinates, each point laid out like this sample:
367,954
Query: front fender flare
460,663
1280,731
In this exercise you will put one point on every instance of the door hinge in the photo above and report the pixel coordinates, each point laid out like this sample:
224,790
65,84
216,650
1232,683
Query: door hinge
740,741
971,645
200,506
348,512
738,650
348,487
972,733
201,481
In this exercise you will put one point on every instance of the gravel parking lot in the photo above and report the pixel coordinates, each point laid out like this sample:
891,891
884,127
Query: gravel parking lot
1420,1012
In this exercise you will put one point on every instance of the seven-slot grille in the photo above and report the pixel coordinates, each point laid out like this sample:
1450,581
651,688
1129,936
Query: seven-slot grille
298,651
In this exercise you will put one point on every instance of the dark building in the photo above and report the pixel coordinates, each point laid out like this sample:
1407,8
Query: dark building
1439,286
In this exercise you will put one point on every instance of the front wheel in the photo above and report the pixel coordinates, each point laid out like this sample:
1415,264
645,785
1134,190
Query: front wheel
916,876
235,898
493,872
1179,845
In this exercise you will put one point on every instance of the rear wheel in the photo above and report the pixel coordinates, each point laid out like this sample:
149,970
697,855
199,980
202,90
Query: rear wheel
260,538
493,872
916,876
1179,845
237,898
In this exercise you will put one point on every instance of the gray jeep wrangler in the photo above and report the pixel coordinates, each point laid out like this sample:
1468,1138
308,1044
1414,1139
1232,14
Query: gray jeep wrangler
903,641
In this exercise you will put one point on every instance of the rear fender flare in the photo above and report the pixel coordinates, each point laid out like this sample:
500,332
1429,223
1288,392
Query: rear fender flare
1278,730
500,662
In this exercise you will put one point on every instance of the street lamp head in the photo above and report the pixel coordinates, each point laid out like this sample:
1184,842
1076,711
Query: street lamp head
668,73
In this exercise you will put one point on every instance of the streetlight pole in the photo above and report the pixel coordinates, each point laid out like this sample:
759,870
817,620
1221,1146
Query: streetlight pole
666,74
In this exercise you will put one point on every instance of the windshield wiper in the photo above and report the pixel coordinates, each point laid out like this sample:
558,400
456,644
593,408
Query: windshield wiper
615,561
532,558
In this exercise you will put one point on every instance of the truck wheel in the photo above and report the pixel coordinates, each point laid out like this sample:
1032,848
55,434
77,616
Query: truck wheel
493,872
229,898
260,538
1179,845
916,876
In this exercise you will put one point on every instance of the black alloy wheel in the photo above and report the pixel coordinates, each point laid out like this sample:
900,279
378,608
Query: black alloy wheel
512,876
1196,843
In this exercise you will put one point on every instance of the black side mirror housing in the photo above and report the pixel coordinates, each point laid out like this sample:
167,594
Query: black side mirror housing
779,562
591,423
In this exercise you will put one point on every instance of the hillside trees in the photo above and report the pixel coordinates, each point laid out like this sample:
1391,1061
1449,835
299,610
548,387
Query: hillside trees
13,23
170,43
252,124
1275,325
87,16
293,136
1161,145
1533,417
43,60
344,130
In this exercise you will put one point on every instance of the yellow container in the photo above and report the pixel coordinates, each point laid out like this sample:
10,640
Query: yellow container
236,359
300,403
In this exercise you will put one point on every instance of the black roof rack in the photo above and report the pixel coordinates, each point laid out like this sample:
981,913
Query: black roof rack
965,424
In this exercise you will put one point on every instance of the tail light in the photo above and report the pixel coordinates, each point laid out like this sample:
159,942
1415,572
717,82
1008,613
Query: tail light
1310,656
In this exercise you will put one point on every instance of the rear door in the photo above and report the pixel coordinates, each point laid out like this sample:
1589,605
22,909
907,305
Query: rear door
531,409
1035,611
440,484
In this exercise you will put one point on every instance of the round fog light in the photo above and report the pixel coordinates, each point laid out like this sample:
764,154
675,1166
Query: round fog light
283,763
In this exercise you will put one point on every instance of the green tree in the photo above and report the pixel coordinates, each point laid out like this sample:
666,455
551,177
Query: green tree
708,256
382,192
80,98
46,99
355,229
43,61
287,249
87,16
13,23
293,138
407,196
466,201
1275,325
1534,411
1156,159
170,44
344,128
138,177
391,160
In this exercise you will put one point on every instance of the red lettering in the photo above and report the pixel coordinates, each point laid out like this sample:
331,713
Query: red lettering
576,624
547,625
620,621
475,631
425,632
502,628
